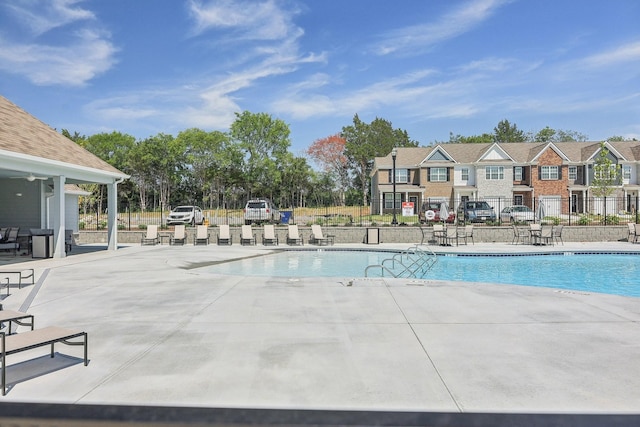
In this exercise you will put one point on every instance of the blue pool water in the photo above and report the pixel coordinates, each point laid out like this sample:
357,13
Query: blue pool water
617,274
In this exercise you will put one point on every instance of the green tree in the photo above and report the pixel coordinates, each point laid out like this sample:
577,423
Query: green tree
507,132
264,142
364,142
606,173
474,139
545,135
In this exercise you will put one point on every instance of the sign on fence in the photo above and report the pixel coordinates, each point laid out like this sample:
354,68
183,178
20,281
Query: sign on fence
407,209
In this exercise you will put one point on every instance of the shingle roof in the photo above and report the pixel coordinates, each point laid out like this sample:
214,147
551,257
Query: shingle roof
22,133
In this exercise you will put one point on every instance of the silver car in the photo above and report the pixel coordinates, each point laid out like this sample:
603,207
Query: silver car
517,213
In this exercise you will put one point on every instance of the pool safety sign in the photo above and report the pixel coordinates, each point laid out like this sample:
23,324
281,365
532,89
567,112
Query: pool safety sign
407,209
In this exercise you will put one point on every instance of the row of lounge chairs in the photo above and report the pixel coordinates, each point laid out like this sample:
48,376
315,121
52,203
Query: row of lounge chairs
247,237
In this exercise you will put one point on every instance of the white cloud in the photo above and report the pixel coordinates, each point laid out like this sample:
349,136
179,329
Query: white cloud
40,16
415,39
627,53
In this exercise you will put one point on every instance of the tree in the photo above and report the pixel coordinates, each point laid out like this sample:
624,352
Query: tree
545,135
329,154
570,135
474,139
364,142
605,173
264,142
506,132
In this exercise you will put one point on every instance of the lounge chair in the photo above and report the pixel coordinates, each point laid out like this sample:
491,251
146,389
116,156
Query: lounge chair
202,235
637,232
151,237
17,317
247,237
293,236
318,238
49,336
179,235
269,236
224,235
519,234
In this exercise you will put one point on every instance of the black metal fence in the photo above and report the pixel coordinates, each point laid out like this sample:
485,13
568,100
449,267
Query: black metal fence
549,209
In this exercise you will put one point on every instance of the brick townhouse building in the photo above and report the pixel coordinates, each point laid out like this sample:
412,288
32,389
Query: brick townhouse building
558,174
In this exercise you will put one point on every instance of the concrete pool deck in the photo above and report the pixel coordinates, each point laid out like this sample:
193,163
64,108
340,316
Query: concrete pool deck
162,332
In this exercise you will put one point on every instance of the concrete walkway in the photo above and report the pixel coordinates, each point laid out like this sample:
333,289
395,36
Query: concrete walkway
164,333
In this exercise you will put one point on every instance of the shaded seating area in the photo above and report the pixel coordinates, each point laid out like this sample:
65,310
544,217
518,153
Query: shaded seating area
293,235
202,235
224,235
179,236
9,239
151,237
318,238
247,237
269,236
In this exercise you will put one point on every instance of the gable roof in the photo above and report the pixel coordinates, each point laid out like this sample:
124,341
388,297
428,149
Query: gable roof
26,141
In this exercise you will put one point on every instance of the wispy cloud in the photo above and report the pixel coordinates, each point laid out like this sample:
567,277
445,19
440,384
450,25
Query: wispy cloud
418,38
85,52
626,53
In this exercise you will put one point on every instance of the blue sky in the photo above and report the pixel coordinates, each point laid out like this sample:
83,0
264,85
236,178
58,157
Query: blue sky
430,67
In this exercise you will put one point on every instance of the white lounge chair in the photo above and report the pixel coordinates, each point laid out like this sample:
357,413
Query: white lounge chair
151,237
202,235
179,235
247,237
269,236
318,238
224,235
293,236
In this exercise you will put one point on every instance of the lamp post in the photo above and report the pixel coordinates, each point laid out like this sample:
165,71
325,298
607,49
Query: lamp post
394,153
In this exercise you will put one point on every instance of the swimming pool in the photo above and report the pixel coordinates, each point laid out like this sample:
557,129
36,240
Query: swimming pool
617,274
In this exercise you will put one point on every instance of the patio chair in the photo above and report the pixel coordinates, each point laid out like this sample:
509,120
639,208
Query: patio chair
519,234
632,231
451,235
439,234
293,236
151,237
556,233
546,235
637,232
467,233
202,235
269,236
224,235
535,231
318,238
68,240
10,240
179,235
247,237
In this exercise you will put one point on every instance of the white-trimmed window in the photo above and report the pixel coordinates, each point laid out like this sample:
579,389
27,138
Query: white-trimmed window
465,174
402,176
549,173
494,172
603,173
626,172
388,200
573,173
517,173
438,174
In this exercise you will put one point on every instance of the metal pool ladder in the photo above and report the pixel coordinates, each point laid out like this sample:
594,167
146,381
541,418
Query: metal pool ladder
414,262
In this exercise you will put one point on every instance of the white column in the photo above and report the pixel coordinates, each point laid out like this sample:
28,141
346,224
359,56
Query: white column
112,216
58,216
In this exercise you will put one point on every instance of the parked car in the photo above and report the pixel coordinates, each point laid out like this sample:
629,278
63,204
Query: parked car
517,213
259,211
185,215
477,211
431,212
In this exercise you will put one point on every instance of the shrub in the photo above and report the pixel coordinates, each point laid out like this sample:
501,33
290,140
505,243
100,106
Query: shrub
81,225
142,226
584,220
612,219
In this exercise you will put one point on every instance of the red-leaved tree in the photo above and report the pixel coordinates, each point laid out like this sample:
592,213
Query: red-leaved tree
328,153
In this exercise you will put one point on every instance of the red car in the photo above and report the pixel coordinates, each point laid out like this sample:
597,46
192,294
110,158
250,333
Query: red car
430,212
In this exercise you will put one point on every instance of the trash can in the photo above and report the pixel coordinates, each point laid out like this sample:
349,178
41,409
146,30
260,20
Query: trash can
285,216
41,243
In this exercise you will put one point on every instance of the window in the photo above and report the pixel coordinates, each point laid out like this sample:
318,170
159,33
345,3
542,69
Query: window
549,173
517,173
573,173
402,176
388,200
465,174
494,172
626,172
437,174
603,173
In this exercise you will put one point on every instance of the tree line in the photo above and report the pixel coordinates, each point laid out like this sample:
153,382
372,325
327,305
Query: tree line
253,159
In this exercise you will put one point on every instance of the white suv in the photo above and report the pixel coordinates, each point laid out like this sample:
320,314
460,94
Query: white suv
185,215
260,210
